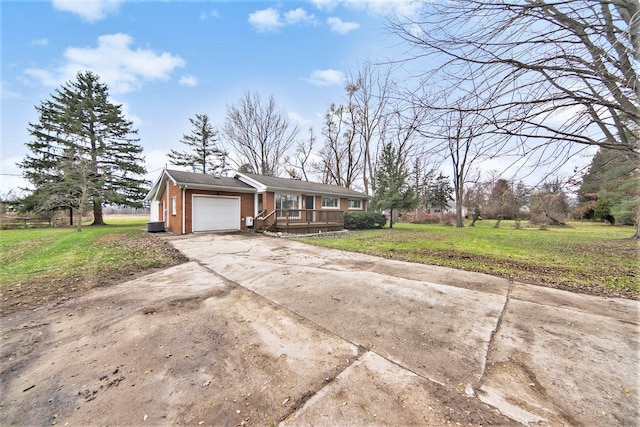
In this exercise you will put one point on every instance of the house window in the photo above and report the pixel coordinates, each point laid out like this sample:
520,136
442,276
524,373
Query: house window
355,204
287,201
330,202
174,206
260,203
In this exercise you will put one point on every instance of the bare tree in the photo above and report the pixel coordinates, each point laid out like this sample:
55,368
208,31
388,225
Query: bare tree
370,90
563,73
341,155
78,183
299,166
464,137
401,125
575,58
259,133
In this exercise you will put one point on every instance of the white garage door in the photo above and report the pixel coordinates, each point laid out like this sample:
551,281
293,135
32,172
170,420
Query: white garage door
216,213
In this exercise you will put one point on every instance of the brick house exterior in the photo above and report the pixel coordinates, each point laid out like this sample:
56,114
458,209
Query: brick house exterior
189,202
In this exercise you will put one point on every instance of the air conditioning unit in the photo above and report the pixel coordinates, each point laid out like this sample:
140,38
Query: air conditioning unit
249,221
155,226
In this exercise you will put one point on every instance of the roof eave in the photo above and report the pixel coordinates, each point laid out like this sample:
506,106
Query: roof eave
260,187
319,193
156,187
216,188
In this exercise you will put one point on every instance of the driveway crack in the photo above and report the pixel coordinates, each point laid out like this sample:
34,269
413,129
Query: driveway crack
494,332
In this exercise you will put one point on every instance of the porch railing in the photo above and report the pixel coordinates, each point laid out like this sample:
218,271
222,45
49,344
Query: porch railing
308,216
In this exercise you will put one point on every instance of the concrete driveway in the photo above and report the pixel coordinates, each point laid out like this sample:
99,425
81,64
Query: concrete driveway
265,331
427,335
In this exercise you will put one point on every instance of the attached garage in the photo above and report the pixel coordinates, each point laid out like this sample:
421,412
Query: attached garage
216,213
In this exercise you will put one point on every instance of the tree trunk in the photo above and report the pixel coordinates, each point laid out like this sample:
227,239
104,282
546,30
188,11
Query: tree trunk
459,219
79,212
97,212
390,218
637,235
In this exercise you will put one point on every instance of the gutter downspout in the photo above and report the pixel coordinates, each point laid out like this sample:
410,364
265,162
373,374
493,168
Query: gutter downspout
184,194
255,204
167,207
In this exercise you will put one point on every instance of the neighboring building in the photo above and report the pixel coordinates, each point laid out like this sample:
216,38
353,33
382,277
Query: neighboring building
189,202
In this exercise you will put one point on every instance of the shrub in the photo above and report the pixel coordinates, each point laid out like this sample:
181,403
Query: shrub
364,220
448,218
425,218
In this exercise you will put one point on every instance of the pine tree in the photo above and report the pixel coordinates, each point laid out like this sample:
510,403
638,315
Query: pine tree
440,192
80,119
392,191
612,182
204,155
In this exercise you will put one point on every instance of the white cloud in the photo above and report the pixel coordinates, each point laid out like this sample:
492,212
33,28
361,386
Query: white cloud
138,122
40,42
298,118
119,66
327,5
6,93
340,27
155,161
327,77
188,81
88,10
265,20
299,16
12,180
405,8
208,15
270,19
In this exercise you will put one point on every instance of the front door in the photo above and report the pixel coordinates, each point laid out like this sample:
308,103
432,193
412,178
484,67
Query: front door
309,204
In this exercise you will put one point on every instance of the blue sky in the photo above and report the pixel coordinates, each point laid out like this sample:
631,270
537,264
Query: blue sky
165,61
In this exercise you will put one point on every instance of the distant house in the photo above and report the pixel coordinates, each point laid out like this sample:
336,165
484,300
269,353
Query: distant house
189,202
450,207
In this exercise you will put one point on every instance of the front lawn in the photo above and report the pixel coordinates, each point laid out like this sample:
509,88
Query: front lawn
41,265
585,257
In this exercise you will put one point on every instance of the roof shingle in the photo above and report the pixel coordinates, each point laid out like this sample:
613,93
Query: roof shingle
182,177
287,184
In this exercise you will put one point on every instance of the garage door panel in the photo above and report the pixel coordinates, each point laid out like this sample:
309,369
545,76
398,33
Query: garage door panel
216,213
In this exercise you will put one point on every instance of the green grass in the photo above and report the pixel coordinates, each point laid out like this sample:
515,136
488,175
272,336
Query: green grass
32,255
590,257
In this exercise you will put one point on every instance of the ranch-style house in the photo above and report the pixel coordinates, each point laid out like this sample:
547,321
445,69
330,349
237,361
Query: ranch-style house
185,202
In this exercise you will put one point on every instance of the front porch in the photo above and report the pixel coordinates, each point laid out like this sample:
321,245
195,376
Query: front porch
300,221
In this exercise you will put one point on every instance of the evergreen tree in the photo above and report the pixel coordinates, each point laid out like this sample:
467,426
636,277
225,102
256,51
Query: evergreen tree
522,195
440,192
392,191
612,182
80,125
204,155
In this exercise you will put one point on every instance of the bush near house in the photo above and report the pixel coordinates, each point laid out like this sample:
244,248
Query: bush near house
364,220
